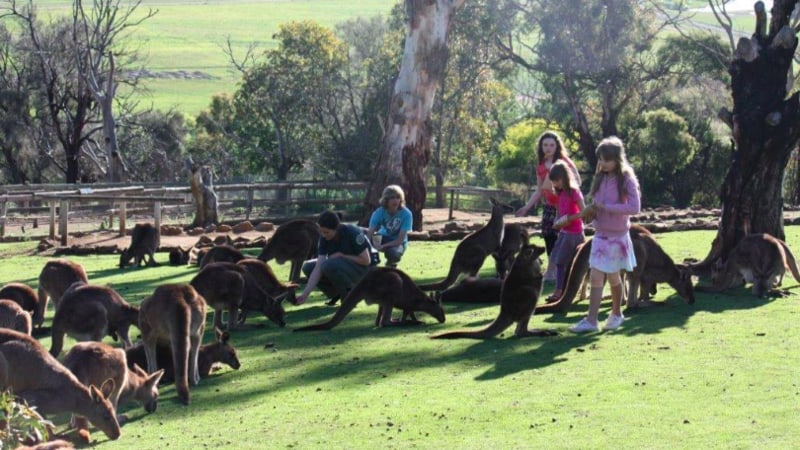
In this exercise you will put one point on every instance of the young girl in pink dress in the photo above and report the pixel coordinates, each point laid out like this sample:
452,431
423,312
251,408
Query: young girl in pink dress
615,196
569,223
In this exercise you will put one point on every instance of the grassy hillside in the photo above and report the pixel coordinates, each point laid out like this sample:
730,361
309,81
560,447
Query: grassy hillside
189,35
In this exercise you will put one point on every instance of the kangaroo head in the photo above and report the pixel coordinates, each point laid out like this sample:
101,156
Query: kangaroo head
437,311
225,353
147,392
274,311
125,257
101,413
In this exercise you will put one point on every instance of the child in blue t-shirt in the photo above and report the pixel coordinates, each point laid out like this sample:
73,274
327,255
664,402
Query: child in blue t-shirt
392,220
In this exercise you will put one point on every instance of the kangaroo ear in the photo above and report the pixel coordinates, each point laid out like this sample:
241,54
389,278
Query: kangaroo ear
218,333
155,377
104,391
139,371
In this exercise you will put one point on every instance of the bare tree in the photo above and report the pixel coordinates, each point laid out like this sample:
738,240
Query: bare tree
406,146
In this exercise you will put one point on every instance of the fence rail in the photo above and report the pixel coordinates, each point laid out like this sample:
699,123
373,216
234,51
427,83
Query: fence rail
62,203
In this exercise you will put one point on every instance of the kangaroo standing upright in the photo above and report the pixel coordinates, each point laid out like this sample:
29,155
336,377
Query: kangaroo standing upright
389,288
472,251
175,313
294,241
145,239
37,377
89,312
518,297
26,298
57,276
209,355
94,362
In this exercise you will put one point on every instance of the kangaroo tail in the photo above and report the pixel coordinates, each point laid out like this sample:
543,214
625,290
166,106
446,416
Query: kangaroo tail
348,303
444,284
179,340
577,272
502,322
791,261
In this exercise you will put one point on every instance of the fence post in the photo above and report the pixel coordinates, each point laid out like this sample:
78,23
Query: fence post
3,215
52,219
450,214
157,217
249,202
123,212
63,215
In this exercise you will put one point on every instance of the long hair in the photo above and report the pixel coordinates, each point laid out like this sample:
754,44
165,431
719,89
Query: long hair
560,149
561,172
612,148
390,191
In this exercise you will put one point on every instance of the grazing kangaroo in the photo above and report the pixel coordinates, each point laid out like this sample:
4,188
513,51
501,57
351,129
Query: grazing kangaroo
479,290
266,279
89,312
26,297
294,241
389,288
514,237
145,239
175,313
209,356
94,362
653,266
14,317
760,259
518,297
229,286
221,253
56,277
39,379
473,250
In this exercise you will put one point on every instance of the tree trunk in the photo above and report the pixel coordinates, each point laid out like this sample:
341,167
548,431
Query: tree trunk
765,131
406,146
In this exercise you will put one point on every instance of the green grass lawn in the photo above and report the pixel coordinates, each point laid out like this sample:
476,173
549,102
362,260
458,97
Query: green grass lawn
190,35
722,373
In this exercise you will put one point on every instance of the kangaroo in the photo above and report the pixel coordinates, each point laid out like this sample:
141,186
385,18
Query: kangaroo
473,250
479,290
89,312
389,288
262,273
57,275
760,259
208,357
39,379
221,253
26,297
518,297
14,317
174,313
145,239
179,257
57,444
514,236
94,362
229,286
653,266
294,241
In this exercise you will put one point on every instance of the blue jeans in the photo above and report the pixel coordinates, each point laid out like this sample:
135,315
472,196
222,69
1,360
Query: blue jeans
394,254
339,275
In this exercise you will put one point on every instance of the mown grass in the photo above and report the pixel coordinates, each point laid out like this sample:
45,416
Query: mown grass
719,374
190,35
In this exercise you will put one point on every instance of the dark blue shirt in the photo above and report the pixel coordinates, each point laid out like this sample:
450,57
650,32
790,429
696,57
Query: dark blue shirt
349,240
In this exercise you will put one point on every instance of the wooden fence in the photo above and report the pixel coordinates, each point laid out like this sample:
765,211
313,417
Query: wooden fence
64,203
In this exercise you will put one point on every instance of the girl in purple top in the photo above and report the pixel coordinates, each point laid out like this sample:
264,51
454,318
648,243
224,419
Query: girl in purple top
570,224
615,196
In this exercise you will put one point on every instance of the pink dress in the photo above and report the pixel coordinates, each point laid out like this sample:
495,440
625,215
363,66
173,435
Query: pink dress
612,249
